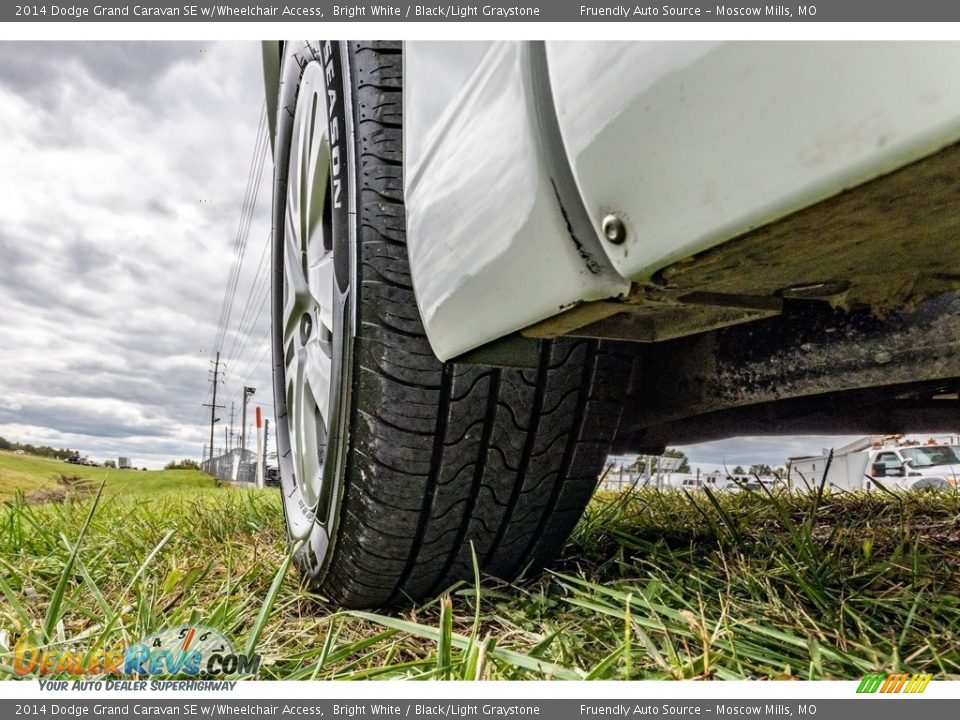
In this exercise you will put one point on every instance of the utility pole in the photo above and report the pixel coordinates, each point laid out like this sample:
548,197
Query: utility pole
232,410
266,435
260,449
247,392
213,405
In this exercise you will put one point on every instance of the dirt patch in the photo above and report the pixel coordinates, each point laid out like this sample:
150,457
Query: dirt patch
67,486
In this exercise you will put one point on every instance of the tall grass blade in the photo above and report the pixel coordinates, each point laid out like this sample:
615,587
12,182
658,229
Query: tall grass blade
56,600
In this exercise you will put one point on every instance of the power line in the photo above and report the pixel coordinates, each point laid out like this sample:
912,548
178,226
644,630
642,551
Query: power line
251,193
243,376
257,287
251,172
250,332
238,264
247,210
249,317
262,357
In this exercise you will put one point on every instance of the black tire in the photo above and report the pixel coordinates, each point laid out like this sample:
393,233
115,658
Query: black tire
435,457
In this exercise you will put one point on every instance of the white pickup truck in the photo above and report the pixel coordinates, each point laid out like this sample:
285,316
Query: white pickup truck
894,465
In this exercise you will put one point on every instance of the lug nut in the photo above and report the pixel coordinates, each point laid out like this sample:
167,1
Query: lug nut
614,230
306,327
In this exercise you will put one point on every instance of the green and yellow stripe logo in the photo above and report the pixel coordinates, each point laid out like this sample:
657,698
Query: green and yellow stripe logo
894,683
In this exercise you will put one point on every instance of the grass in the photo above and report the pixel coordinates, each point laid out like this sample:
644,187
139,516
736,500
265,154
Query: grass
33,474
652,585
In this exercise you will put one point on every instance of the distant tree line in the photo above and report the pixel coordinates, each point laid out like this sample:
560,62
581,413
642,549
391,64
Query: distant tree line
182,465
41,450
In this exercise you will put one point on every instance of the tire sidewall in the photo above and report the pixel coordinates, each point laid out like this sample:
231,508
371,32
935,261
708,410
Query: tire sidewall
316,533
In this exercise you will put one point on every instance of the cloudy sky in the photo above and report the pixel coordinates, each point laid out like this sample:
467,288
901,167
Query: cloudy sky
122,172
123,169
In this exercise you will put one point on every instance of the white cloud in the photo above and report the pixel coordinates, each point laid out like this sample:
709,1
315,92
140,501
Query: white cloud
124,170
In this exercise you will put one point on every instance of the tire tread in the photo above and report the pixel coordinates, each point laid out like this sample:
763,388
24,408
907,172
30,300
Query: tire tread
445,459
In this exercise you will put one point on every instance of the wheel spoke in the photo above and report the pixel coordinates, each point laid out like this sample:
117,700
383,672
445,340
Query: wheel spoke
297,296
322,282
315,192
316,369
306,411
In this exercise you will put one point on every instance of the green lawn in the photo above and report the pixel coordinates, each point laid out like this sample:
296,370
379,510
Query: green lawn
29,473
652,585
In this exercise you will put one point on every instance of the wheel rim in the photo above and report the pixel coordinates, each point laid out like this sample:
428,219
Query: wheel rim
312,300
